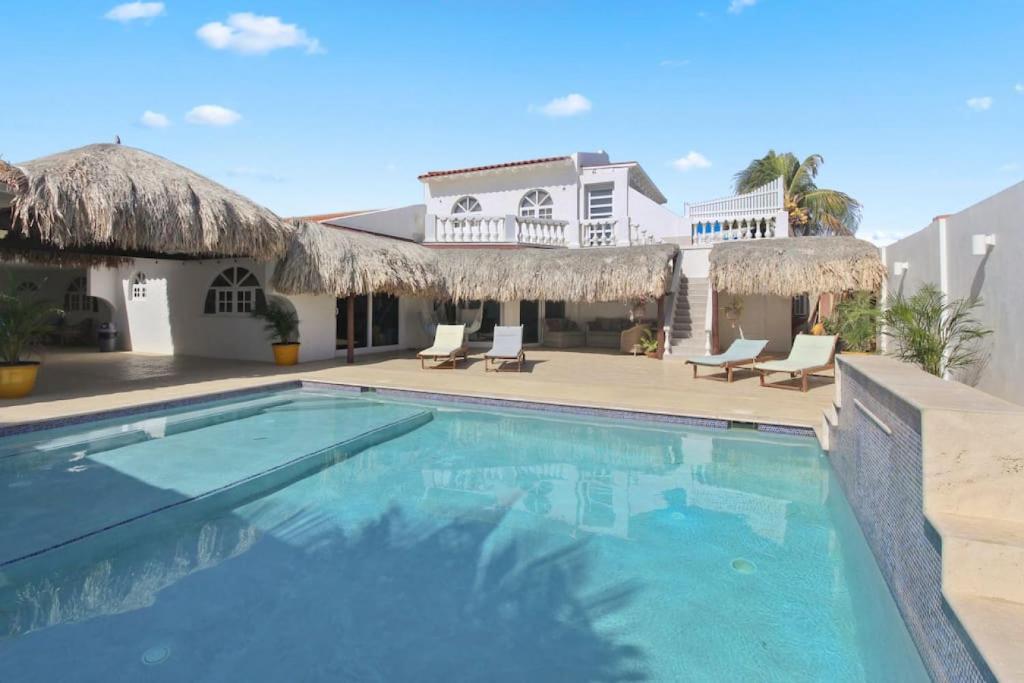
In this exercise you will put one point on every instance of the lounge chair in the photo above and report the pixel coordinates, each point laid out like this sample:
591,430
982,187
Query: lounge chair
740,352
810,353
449,346
507,348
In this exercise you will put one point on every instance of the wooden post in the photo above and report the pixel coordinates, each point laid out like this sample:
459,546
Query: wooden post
715,346
661,327
350,354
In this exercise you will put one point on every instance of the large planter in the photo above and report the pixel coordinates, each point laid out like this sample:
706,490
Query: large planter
18,381
286,354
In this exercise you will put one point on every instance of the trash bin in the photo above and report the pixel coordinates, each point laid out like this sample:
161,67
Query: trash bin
107,334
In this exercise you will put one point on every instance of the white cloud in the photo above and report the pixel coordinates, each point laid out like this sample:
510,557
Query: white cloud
691,161
1019,88
252,34
152,119
881,238
212,115
1011,167
570,105
130,11
673,63
980,103
737,6
256,174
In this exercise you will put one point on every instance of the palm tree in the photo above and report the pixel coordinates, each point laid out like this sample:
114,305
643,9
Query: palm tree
812,210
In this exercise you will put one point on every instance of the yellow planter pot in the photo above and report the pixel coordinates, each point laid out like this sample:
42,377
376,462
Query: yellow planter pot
286,354
17,381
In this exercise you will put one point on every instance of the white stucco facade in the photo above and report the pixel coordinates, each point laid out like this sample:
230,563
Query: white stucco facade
942,254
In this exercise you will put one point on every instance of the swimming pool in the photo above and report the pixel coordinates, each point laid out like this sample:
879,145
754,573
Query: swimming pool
307,534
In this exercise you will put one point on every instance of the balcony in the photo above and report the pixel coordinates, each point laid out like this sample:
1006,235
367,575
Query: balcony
759,214
476,229
536,232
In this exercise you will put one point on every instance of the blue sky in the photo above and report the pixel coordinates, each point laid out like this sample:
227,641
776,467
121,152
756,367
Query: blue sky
310,107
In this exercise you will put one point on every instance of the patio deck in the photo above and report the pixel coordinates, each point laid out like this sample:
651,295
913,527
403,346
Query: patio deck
81,381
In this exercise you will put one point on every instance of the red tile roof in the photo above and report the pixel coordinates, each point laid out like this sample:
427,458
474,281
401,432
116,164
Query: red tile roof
321,217
507,164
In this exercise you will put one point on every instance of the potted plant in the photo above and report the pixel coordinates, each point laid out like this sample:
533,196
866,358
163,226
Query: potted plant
649,343
23,321
282,328
939,335
857,321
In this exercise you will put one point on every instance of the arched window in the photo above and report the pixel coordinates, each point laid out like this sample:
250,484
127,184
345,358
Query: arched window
138,291
466,205
76,299
27,287
536,204
236,290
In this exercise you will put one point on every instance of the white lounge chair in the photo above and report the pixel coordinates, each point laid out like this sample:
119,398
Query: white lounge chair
810,354
449,346
740,352
507,348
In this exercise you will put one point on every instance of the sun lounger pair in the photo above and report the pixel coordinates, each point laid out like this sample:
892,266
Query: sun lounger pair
810,354
449,346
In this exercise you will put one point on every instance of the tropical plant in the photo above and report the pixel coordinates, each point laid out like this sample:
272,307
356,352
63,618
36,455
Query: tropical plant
648,341
812,210
24,319
939,335
857,321
282,323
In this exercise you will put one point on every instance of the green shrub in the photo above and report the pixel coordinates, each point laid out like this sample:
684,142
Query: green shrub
282,323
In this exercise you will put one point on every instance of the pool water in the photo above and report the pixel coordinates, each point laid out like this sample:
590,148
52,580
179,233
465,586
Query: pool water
268,539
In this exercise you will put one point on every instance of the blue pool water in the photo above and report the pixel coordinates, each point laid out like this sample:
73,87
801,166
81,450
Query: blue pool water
306,535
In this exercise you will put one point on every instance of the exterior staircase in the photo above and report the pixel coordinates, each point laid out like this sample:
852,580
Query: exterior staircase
688,320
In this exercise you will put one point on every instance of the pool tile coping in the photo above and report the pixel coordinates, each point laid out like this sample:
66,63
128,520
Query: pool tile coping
466,399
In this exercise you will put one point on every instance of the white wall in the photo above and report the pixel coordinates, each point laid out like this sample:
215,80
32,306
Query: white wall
405,222
52,284
499,193
763,317
996,278
655,218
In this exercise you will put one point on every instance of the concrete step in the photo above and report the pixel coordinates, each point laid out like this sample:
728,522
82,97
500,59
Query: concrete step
997,629
981,557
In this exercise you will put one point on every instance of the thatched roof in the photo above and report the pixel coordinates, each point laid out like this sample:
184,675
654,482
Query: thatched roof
321,259
796,265
582,275
120,199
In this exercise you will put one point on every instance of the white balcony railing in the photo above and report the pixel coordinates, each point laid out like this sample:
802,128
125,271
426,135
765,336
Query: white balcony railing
598,233
477,229
759,214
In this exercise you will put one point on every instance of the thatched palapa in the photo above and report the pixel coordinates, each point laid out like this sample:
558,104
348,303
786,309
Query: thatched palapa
582,275
796,265
119,199
324,260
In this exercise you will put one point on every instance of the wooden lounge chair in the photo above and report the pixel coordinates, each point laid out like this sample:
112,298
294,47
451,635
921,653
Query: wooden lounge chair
448,347
809,354
740,352
507,348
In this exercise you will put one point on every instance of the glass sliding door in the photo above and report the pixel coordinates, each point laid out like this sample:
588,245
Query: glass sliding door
385,320
529,318
376,321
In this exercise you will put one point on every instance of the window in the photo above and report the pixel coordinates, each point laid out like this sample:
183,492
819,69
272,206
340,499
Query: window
138,290
599,201
377,314
466,205
27,287
236,290
76,299
536,204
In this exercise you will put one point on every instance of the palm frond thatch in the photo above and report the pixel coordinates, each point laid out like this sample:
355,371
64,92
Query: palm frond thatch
324,260
580,275
796,265
120,198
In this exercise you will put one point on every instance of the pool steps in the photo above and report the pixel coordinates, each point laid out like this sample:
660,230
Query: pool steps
982,575
226,497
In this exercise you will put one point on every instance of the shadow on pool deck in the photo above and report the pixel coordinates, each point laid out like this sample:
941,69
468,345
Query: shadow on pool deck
304,600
